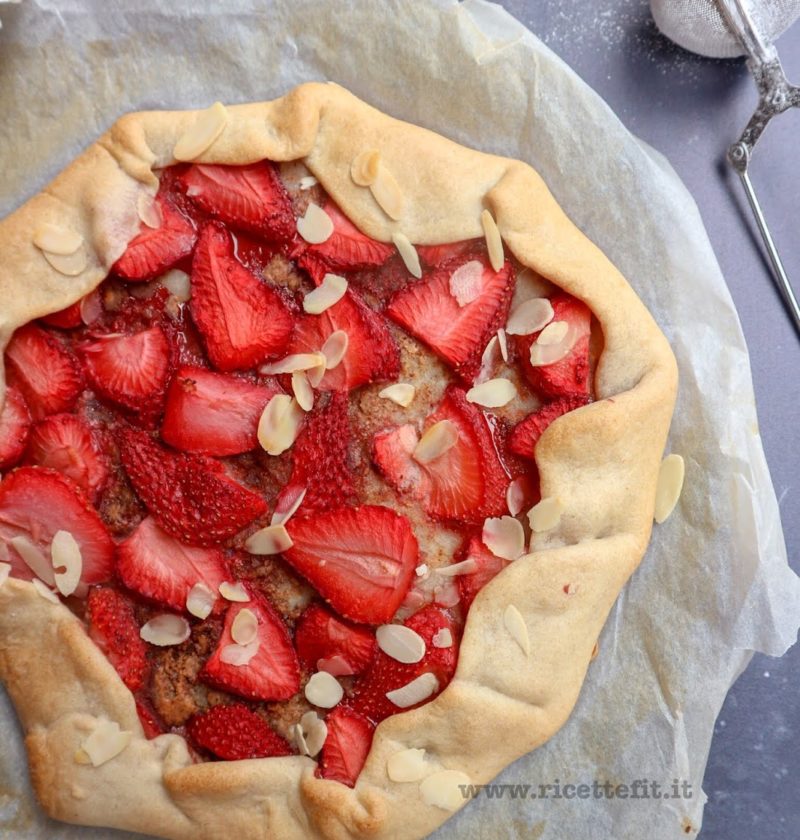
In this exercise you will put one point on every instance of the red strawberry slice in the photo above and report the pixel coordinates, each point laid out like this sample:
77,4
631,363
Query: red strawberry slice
44,370
436,255
66,443
525,435
65,319
114,629
273,673
15,427
346,747
213,413
387,674
570,376
35,503
130,371
457,333
155,250
488,565
361,560
241,319
234,733
467,483
151,724
371,355
326,643
159,567
190,496
248,197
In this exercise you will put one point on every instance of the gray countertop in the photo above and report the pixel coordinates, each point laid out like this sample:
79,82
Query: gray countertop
690,109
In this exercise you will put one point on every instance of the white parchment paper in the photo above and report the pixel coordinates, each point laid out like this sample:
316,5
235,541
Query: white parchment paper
714,585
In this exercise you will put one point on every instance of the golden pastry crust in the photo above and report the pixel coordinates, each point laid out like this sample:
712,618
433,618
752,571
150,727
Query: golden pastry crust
602,462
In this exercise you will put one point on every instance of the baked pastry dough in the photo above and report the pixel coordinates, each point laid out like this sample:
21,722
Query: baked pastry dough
601,463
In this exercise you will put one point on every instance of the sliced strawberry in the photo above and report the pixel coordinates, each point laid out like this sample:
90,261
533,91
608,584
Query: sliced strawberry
42,368
213,413
273,673
457,333
190,496
371,355
361,560
157,566
151,724
35,503
326,643
568,377
65,319
488,565
15,427
436,255
467,483
155,250
525,435
241,319
65,442
114,629
248,197
387,674
346,747
234,733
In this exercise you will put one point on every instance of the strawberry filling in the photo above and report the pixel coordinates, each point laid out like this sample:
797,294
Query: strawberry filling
215,430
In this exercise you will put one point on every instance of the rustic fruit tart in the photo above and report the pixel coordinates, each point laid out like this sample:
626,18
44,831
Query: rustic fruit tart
269,461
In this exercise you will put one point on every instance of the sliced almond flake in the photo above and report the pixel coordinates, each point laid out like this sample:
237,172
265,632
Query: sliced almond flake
447,594
299,739
421,570
279,424
408,254
466,282
437,440
419,689
315,374
165,630
442,638
306,182
106,742
443,789
149,211
407,766
57,240
274,539
530,316
334,348
401,393
239,655
515,624
45,591
364,168
504,536
315,226
65,554
503,342
200,601
669,486
329,292
386,191
542,354
545,515
323,690
494,244
554,333
5,571
202,134
283,515
515,496
293,362
494,393
234,592
91,307
302,390
400,642
34,559
245,627
465,567
314,732
178,284
70,265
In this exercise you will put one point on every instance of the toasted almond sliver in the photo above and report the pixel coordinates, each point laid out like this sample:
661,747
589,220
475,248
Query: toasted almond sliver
66,554
328,293
316,374
494,393
306,182
287,506
554,333
421,570
200,601
91,307
400,642
34,559
279,424
466,282
296,361
443,789
273,539
178,284
315,226
386,191
494,244
364,168
504,536
502,340
5,571
515,624
44,590
464,567
165,630
314,731
515,495
669,487
530,316
548,354
70,265
419,689
545,515
302,390
407,766
401,393
106,741
408,253
323,690
57,240
334,348
234,592
438,439
442,638
202,134
244,628
239,655
149,210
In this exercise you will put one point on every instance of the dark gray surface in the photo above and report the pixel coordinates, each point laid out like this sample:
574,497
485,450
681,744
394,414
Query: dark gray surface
690,109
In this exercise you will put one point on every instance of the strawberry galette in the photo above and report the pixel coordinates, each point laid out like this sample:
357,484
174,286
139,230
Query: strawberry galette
326,447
